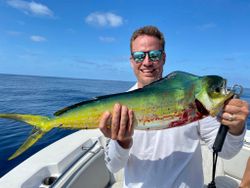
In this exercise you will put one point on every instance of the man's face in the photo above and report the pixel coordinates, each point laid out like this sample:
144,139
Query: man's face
147,71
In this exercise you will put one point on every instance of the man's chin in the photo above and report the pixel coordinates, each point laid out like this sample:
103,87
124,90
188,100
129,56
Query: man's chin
149,79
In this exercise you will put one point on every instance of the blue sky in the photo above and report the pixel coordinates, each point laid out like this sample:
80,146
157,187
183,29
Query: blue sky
90,38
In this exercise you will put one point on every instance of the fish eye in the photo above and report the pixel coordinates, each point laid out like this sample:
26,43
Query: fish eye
217,90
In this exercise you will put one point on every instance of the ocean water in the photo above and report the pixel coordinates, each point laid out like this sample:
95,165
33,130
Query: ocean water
44,96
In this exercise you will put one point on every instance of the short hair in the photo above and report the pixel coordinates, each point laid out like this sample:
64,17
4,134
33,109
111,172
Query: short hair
148,30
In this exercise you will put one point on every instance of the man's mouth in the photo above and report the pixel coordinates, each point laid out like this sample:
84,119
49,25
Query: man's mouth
146,71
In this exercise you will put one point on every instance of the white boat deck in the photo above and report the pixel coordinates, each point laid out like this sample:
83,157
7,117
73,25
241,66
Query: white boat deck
77,160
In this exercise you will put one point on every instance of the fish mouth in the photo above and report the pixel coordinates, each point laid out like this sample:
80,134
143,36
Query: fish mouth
200,107
212,107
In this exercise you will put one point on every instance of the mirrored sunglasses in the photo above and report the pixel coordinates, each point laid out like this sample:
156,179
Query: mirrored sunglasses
154,55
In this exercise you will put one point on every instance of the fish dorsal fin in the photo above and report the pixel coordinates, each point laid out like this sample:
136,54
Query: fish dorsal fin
66,109
179,76
62,111
116,94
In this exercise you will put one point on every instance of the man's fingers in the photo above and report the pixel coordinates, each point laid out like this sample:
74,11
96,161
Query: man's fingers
235,115
123,123
104,124
131,123
121,128
236,102
115,121
235,106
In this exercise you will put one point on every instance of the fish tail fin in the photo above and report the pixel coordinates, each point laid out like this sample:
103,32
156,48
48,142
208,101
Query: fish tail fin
35,135
42,125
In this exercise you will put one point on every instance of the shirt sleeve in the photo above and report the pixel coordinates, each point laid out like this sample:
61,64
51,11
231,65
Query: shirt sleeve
116,157
208,131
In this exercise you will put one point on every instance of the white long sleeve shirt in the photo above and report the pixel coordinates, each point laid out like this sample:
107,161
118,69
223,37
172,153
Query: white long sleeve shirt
168,158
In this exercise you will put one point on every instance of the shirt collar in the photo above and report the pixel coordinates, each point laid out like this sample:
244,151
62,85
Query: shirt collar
134,87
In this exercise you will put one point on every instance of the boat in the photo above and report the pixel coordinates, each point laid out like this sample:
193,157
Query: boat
77,160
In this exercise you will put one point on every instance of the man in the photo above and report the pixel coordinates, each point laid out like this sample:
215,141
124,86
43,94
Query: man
245,182
170,157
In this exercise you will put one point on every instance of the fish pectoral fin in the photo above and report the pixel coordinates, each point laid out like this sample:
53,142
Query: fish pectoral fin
35,135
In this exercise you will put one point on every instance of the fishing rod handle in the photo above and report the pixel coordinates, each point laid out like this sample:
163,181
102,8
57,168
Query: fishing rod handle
222,133
220,138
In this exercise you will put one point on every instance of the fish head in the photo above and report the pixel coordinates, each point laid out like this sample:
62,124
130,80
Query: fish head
212,95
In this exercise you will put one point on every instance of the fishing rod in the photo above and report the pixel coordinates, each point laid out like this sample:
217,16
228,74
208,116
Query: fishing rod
221,135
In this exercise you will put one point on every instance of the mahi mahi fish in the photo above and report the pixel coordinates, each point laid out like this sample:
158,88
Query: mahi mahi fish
175,100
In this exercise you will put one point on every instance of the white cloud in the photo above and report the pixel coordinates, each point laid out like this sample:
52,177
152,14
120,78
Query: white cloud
71,31
37,38
104,19
14,33
106,39
206,26
31,7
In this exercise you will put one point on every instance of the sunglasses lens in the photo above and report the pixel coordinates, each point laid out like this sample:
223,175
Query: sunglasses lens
138,56
155,55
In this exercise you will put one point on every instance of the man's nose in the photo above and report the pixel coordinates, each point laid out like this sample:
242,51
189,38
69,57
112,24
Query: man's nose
147,61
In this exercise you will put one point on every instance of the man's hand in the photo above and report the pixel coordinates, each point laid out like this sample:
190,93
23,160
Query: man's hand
118,125
235,115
